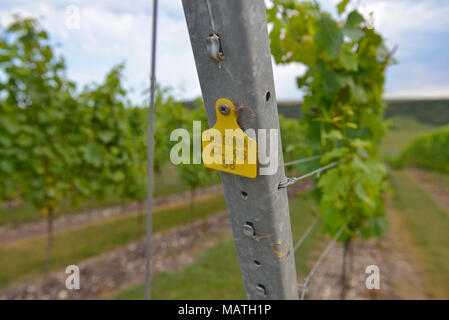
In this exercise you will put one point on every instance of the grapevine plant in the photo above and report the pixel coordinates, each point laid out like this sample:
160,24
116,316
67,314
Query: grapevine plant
55,144
343,110
430,151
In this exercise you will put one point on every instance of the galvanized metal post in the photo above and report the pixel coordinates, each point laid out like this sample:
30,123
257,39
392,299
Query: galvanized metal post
231,48
150,151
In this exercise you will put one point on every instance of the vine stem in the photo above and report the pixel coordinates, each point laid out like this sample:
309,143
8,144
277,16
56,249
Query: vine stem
49,242
346,246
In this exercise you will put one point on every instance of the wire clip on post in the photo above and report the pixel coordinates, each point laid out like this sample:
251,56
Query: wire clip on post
289,181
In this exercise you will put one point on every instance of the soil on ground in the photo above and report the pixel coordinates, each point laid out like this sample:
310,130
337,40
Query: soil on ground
392,254
170,251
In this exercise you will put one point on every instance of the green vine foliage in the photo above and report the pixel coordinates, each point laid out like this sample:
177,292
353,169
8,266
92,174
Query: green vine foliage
56,144
166,109
195,175
111,162
430,151
59,144
343,109
170,114
35,99
290,131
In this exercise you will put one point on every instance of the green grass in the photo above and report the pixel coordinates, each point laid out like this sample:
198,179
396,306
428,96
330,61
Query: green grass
403,130
216,272
166,183
26,257
214,275
429,227
432,111
301,217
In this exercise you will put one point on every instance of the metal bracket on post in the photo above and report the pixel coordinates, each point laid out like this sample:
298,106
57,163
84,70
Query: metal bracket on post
257,208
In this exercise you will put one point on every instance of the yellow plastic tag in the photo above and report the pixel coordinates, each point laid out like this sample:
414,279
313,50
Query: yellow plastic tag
226,147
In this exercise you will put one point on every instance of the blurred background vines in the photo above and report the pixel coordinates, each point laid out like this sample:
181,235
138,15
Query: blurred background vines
59,144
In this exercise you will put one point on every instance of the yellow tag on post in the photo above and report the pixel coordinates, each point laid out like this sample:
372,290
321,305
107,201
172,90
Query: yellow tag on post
226,147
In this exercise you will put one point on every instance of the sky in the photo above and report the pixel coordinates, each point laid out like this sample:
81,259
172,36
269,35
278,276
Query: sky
93,36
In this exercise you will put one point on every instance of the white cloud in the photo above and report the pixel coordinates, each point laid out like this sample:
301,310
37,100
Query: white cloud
115,31
285,80
404,22
112,32
434,91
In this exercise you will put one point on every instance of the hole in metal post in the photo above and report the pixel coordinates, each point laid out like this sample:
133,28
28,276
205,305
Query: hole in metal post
268,96
257,263
261,291
244,194
249,230
214,48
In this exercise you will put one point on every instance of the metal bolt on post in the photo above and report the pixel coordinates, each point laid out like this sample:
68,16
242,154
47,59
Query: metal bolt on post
232,55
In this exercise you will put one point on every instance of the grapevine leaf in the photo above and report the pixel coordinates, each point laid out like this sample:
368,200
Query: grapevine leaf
341,6
354,19
348,58
354,33
328,37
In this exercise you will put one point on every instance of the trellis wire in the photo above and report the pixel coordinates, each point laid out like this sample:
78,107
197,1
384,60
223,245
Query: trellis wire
211,18
318,285
289,181
150,157
305,285
306,234
290,163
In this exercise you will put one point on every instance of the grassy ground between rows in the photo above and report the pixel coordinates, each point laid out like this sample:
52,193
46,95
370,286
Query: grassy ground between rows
401,132
26,257
440,178
428,225
216,272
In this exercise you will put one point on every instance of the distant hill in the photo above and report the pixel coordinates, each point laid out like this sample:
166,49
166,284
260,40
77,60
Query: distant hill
290,109
427,111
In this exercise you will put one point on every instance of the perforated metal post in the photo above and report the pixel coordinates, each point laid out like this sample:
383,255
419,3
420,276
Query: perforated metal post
231,48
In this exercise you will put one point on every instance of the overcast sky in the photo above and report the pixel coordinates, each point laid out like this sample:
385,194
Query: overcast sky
111,32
